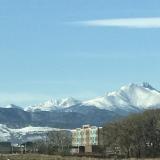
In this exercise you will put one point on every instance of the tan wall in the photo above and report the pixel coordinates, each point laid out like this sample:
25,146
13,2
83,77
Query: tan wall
88,149
87,140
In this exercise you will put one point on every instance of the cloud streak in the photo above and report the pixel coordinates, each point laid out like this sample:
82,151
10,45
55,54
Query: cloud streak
152,22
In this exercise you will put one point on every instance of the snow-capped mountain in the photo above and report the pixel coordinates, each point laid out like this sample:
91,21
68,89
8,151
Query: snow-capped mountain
24,134
129,97
53,105
12,106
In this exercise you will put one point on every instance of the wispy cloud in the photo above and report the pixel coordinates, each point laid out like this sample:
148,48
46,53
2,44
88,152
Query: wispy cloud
152,22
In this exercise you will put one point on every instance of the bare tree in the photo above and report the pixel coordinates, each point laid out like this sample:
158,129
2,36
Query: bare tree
59,141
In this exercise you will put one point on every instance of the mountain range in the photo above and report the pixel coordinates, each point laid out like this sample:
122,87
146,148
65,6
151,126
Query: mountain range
128,98
69,113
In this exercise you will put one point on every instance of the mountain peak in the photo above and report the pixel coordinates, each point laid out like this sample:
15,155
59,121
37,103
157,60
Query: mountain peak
53,104
65,102
149,86
130,85
144,85
12,106
128,96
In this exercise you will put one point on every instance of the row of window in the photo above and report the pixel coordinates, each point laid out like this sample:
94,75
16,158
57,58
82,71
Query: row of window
84,132
82,139
85,137
84,143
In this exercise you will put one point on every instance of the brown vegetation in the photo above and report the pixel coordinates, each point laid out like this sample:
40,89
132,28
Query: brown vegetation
52,157
135,136
42,157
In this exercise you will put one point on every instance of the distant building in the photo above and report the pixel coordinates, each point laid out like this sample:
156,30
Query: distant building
86,138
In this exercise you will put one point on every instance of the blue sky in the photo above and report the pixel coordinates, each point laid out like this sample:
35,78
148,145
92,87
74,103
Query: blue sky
52,48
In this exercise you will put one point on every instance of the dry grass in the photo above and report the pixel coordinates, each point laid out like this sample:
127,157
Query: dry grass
41,157
47,157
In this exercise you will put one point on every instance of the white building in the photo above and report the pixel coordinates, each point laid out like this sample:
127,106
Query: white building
86,137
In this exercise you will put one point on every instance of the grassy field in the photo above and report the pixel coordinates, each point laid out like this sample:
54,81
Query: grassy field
47,157
41,157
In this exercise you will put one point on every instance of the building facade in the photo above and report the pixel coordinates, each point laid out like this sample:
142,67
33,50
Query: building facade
86,137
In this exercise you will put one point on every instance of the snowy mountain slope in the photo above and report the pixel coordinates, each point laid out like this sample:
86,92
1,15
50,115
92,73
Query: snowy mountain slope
129,97
4,133
12,106
53,105
24,134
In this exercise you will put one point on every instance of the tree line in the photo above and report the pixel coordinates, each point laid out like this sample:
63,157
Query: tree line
138,135
56,142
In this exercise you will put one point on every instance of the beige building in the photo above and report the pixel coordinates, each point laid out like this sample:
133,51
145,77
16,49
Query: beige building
85,138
